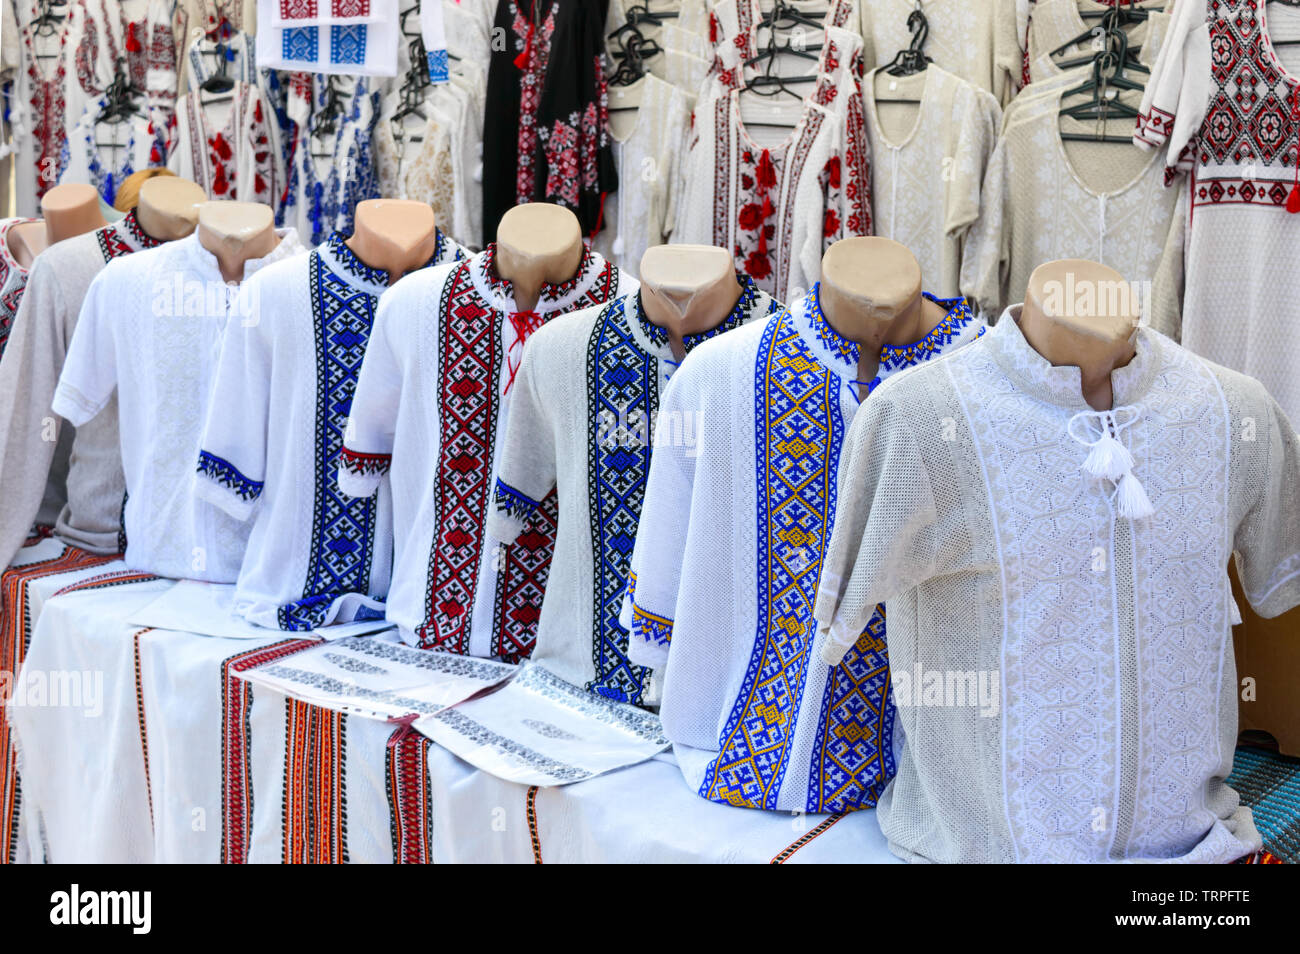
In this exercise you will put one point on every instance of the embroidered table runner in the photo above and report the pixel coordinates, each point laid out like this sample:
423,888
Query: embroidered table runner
540,730
378,677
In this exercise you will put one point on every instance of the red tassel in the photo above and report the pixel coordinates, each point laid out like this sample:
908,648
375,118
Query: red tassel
765,175
521,61
1293,200
132,41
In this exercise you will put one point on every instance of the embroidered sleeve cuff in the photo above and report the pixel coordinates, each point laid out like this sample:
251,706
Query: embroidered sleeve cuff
73,406
360,474
511,511
221,484
651,634
1153,129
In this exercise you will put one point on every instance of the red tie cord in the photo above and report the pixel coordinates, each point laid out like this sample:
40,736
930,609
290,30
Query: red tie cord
1293,200
132,41
600,216
521,61
525,323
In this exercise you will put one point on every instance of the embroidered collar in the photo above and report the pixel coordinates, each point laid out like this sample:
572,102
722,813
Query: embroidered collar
957,320
832,349
129,231
500,292
344,263
1063,386
841,355
655,339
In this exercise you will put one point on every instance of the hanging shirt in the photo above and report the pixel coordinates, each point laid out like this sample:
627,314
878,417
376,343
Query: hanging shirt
1046,199
431,404
1056,22
728,555
104,154
1242,156
13,279
582,424
332,171
34,448
59,75
648,156
229,145
290,356
150,330
927,182
516,72
141,35
979,42
573,163
1095,714
778,204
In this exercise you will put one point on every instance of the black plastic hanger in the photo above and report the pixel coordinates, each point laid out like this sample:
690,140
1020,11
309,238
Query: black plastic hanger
911,60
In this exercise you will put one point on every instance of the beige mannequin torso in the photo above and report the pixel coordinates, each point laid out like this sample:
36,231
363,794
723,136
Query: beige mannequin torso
687,289
26,241
168,208
396,235
1096,338
70,209
236,232
538,243
871,294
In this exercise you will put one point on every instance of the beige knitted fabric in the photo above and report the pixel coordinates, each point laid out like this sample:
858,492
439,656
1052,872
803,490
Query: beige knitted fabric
1104,643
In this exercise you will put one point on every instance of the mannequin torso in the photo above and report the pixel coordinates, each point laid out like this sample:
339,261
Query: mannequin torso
236,232
168,208
537,243
871,294
687,289
397,235
1097,340
70,209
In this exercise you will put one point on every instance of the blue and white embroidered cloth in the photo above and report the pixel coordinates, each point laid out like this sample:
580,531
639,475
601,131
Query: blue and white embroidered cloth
582,424
289,365
728,557
321,45
150,331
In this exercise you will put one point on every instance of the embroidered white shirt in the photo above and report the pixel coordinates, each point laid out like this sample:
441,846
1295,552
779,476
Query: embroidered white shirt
431,404
1085,708
290,356
582,423
150,331
728,553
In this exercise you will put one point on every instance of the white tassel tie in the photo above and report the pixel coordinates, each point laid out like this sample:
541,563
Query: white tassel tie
1109,459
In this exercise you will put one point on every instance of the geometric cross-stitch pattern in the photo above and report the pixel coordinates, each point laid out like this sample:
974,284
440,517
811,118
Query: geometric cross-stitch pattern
621,387
853,759
799,432
300,43
348,44
468,374
343,528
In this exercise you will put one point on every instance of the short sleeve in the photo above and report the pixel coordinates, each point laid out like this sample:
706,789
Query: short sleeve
89,375
651,601
526,465
368,440
232,458
1267,540
885,537
1177,94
